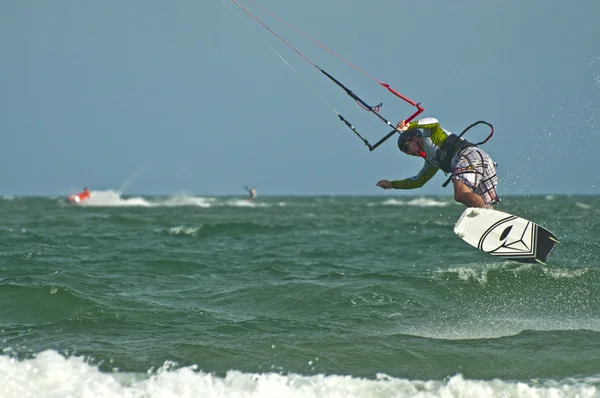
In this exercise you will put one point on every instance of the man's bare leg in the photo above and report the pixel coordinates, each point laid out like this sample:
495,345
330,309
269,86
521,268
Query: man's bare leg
464,195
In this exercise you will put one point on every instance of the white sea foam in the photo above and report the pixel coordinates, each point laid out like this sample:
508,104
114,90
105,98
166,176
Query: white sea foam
417,202
52,375
110,198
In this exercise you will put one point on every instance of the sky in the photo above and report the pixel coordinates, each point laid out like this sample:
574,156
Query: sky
160,98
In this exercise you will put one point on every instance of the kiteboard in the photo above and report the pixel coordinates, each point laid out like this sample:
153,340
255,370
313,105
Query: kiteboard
505,235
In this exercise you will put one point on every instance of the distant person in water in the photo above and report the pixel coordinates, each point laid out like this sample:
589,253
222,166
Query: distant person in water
251,192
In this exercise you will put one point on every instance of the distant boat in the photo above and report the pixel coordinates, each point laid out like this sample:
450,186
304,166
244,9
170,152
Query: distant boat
79,197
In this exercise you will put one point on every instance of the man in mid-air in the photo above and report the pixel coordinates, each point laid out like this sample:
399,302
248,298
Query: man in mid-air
472,170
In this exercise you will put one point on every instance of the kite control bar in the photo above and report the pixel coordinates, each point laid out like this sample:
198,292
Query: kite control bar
373,110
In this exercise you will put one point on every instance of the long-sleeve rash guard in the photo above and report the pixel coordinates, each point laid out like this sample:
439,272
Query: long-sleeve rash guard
433,138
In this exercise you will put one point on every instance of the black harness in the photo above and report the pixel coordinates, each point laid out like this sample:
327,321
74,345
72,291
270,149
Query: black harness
454,144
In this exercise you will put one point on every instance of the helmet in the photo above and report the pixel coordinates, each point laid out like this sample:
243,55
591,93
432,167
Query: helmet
406,136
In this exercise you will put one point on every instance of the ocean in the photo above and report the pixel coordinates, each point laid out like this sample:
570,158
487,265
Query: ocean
301,296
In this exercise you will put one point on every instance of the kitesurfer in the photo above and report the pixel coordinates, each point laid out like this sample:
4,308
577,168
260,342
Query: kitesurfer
251,192
473,172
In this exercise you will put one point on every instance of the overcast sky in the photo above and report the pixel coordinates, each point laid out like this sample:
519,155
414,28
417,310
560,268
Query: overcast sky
183,96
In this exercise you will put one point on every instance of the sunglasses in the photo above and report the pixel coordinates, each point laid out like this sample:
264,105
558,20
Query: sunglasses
404,147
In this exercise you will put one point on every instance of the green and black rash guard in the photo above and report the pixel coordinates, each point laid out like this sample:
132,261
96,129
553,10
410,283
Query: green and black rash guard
434,137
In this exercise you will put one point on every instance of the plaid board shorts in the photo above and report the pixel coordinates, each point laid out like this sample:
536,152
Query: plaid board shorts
477,171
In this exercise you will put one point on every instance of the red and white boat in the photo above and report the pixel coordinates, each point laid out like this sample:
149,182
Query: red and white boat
79,197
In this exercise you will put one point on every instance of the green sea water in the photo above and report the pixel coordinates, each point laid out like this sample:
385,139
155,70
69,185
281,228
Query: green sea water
292,296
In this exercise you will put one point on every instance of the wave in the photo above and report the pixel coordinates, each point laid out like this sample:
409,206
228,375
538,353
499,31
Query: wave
49,374
110,198
416,202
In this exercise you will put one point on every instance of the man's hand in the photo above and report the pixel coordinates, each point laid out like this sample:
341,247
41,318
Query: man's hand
385,184
402,126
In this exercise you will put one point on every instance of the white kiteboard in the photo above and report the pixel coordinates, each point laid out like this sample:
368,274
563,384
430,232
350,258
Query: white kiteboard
504,235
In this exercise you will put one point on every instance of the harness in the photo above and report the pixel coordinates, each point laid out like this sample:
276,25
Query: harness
454,144
451,147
